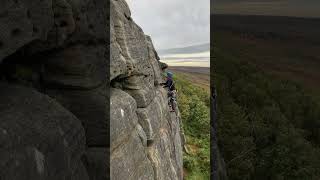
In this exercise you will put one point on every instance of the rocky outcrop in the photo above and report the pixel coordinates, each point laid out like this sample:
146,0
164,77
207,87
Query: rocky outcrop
145,136
218,167
53,73
54,84
39,138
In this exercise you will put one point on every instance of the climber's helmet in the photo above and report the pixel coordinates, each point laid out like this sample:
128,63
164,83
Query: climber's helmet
169,74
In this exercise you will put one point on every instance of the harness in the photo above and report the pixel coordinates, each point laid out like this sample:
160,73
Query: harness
171,86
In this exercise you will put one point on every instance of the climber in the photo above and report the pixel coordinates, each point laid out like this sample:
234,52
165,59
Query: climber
171,91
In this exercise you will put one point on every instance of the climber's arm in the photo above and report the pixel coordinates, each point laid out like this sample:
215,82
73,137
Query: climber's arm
166,84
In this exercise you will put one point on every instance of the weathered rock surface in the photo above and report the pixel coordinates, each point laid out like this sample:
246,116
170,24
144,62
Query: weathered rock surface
57,48
218,167
39,138
50,24
54,93
145,136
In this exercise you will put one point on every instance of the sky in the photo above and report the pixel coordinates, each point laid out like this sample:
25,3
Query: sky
297,8
180,23
200,59
173,23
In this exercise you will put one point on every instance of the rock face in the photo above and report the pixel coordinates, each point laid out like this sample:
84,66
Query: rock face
54,95
53,84
145,136
218,167
39,138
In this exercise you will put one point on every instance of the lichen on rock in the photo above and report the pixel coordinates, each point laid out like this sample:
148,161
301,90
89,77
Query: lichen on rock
136,74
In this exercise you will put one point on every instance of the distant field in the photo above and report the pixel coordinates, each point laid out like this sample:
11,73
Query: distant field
197,75
285,47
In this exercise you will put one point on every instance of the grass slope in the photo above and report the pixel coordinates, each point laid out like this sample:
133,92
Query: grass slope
194,106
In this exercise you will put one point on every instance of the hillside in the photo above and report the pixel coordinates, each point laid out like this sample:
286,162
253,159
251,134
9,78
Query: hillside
194,107
268,105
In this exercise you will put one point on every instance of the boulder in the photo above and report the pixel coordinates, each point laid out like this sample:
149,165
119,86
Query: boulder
90,108
40,139
97,161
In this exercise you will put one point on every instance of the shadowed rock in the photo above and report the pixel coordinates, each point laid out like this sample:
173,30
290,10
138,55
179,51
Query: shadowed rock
58,48
39,138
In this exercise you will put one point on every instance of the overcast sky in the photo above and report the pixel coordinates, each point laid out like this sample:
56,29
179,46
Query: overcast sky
173,23
300,8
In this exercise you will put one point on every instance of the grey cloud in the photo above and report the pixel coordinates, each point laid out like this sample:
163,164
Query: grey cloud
171,24
304,8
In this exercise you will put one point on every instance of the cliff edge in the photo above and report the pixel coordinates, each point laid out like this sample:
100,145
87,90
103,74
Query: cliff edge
145,136
54,95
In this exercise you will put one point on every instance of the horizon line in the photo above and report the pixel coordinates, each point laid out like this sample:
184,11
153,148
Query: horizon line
266,15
